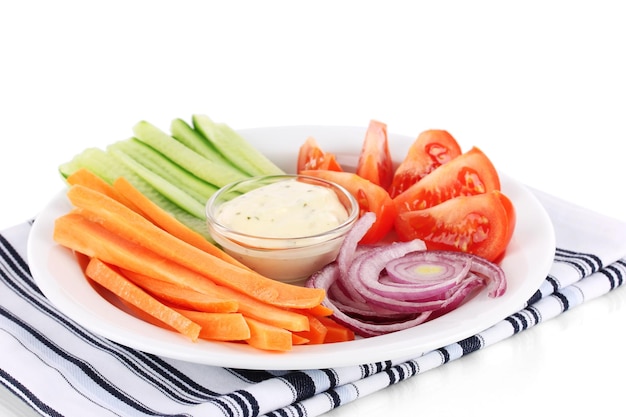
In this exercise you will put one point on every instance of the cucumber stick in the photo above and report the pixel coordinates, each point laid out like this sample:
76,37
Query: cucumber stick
184,133
169,190
192,221
164,167
109,168
212,171
234,147
96,160
178,172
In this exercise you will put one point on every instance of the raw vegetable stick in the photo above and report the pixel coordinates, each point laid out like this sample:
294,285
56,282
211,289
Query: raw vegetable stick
180,296
319,310
184,133
109,168
235,147
227,327
85,177
321,316
97,161
110,279
167,222
335,331
140,314
212,171
132,226
316,333
164,167
321,330
268,337
298,340
177,195
81,235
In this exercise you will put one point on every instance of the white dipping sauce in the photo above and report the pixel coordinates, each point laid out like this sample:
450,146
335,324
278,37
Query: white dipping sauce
284,209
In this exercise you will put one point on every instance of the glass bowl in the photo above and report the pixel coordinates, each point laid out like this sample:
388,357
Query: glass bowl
288,249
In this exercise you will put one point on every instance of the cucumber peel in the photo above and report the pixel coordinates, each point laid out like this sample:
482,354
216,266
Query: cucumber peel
96,160
234,147
169,190
212,171
178,172
186,134
156,162
109,168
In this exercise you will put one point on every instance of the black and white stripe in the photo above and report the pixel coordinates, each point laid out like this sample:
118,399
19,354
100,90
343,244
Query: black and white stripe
148,385
149,369
543,309
584,263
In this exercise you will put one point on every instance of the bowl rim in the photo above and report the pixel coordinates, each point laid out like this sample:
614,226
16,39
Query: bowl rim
225,231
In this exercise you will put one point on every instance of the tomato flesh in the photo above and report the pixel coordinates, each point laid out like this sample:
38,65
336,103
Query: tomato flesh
311,156
431,149
478,224
375,163
470,173
371,198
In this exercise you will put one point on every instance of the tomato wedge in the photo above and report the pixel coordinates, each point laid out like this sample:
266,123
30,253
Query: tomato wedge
371,197
511,215
311,156
375,163
431,149
468,174
478,224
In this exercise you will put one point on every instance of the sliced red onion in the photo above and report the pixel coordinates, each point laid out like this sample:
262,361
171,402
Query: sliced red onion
366,269
351,241
421,275
326,277
375,290
426,267
354,307
496,279
460,294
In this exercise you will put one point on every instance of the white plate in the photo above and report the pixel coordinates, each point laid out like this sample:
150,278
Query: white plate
527,262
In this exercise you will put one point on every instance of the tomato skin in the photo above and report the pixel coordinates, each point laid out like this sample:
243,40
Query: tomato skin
468,174
431,149
477,224
371,197
311,156
375,163
511,214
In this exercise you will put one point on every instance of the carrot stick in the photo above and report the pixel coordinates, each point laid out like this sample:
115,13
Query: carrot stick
316,333
81,235
336,332
120,286
141,314
129,224
268,337
226,327
167,222
318,310
180,296
298,340
87,178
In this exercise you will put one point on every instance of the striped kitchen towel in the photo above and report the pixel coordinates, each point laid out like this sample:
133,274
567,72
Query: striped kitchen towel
61,369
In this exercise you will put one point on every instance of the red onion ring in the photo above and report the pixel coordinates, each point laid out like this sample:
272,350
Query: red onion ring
326,277
381,289
351,241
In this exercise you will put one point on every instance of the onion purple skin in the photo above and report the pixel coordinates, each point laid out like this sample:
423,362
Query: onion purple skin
377,290
326,277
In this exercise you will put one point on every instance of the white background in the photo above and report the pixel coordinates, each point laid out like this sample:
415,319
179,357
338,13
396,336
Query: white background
540,86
